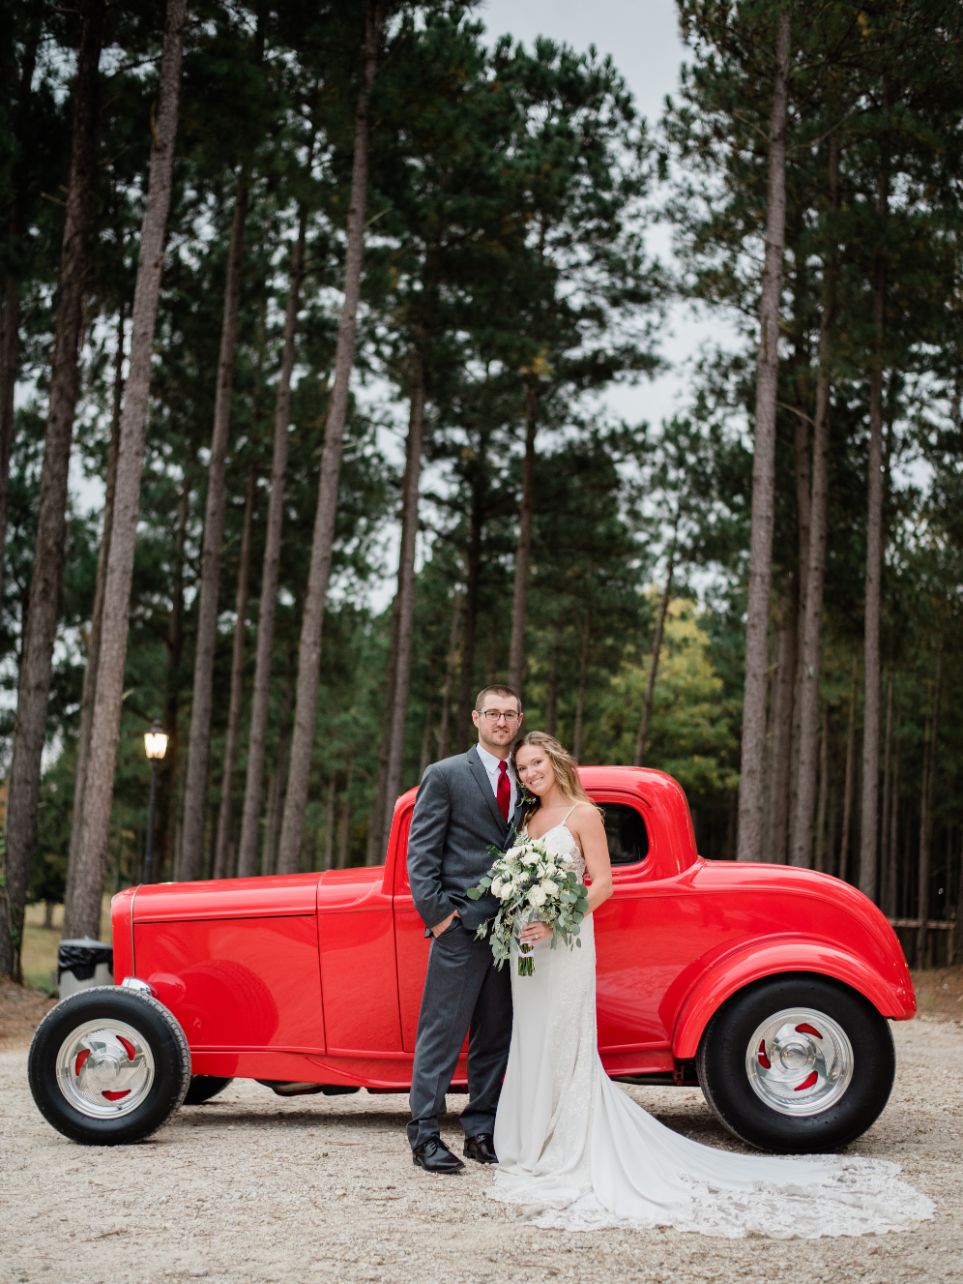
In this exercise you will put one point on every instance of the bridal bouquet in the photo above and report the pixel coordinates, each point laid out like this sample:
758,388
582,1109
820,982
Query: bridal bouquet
531,882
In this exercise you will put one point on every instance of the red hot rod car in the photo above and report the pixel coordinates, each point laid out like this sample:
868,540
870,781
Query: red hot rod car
770,987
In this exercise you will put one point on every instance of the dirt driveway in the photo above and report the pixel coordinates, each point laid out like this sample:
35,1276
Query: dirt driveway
253,1187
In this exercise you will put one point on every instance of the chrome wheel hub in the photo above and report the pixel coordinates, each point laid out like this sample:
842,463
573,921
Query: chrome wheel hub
799,1061
105,1068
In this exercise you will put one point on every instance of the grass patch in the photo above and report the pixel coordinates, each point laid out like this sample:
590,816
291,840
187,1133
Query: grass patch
40,944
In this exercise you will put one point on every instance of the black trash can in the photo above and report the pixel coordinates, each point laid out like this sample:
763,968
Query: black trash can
83,963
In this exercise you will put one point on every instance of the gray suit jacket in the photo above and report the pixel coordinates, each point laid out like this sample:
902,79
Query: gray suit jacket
456,821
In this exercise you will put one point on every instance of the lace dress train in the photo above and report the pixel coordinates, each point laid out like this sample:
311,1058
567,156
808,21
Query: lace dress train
577,1153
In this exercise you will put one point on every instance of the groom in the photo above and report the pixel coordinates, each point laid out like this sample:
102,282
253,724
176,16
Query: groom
465,805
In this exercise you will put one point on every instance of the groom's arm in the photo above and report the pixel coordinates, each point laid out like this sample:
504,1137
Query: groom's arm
426,846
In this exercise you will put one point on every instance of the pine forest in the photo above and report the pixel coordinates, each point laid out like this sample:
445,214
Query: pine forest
310,316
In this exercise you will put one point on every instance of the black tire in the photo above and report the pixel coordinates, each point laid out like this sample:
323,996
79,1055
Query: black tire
102,1036
756,1099
204,1086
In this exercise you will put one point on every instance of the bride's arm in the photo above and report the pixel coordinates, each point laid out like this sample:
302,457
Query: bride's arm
595,848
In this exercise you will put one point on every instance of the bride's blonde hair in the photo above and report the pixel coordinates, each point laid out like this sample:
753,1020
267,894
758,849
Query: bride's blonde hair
563,764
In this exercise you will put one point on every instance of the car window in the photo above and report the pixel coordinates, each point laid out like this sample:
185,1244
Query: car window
626,833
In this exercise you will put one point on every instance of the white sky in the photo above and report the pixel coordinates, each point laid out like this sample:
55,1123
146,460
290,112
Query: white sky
642,37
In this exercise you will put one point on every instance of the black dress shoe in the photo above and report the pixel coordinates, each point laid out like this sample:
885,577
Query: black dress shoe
481,1148
435,1157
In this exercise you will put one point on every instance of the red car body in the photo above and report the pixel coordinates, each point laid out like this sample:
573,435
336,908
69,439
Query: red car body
318,977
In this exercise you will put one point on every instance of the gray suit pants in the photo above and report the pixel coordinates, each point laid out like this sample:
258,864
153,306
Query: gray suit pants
463,995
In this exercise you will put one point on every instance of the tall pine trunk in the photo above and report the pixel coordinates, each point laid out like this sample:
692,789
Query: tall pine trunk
473,558
247,852
776,819
168,784
405,595
85,878
225,808
752,764
643,737
885,853
810,634
523,549
199,735
930,760
10,289
88,693
819,860
43,607
309,653
869,798
849,774
448,687
581,688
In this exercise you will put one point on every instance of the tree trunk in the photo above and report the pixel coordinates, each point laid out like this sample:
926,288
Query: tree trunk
447,690
247,855
850,772
46,578
222,842
473,557
583,668
9,370
885,867
309,655
88,693
643,739
427,735
893,822
330,822
10,303
776,819
820,857
169,781
344,824
810,640
523,549
199,735
869,802
752,765
930,760
551,701
86,879
379,803
406,596
278,783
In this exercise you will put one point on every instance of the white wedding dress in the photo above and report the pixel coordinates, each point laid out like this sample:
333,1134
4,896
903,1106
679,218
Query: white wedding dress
577,1153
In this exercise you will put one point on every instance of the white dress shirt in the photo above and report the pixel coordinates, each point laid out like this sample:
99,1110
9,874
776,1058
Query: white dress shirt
491,765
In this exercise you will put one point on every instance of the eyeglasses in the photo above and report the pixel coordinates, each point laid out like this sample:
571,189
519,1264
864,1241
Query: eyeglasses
495,715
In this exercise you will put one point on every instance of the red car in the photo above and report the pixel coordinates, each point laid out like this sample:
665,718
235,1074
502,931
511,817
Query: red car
770,987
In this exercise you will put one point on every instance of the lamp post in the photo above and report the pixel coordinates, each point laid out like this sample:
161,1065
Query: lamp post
155,746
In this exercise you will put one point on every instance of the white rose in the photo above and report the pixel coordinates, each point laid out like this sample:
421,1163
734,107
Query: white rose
548,887
536,898
530,857
497,886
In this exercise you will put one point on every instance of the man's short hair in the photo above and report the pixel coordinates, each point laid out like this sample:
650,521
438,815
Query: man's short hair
498,689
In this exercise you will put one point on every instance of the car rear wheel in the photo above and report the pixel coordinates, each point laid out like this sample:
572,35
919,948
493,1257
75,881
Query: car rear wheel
797,1064
108,1066
203,1087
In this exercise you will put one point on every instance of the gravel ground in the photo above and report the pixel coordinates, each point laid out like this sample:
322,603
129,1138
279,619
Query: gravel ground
254,1187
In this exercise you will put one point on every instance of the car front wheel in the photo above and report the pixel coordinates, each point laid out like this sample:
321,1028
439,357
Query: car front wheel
797,1064
108,1066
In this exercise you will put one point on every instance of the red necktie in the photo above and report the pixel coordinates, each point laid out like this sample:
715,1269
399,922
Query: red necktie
504,791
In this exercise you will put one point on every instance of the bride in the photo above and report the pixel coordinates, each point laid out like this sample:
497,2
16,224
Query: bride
575,1150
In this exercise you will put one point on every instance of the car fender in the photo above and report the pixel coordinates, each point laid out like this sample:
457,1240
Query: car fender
755,962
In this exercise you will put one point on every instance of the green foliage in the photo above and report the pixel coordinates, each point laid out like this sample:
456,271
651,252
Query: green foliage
511,191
